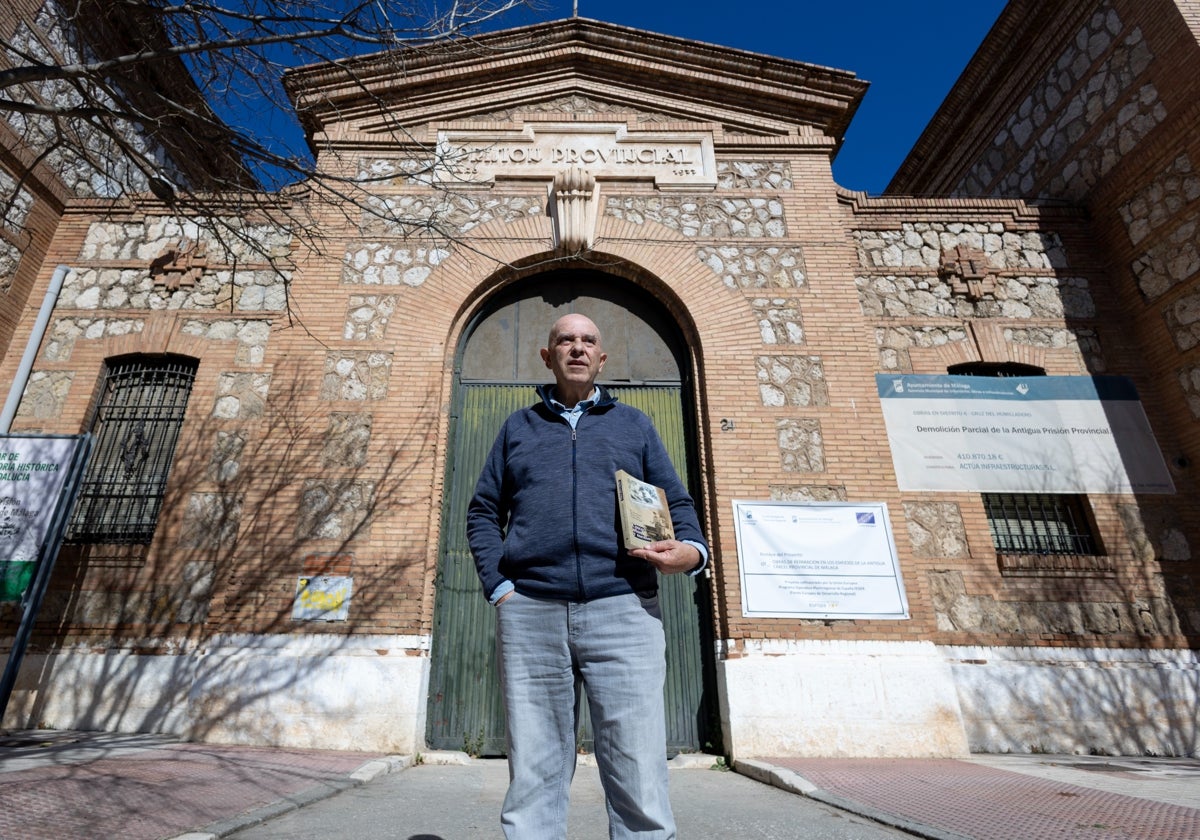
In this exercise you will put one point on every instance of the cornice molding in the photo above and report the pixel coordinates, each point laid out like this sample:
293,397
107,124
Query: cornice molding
693,80
918,208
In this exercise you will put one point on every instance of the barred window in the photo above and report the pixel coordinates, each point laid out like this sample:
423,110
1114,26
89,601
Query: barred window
136,426
1038,523
1032,523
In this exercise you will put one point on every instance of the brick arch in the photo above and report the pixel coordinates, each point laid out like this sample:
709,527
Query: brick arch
501,254
1028,355
161,334
649,254
640,319
984,343
941,358
994,347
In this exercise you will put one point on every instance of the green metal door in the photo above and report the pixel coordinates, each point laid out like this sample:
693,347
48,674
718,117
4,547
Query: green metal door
465,709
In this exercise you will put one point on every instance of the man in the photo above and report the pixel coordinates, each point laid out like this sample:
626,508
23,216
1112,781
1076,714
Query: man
572,605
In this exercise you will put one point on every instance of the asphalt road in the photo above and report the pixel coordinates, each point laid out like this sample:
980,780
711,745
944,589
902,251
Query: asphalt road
438,802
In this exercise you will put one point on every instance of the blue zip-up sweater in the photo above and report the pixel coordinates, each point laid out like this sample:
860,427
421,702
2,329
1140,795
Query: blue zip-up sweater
544,514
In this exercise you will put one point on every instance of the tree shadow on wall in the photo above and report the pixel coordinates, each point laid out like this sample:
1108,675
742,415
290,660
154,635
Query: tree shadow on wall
200,633
1067,653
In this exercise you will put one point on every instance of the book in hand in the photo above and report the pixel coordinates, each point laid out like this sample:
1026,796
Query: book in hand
645,517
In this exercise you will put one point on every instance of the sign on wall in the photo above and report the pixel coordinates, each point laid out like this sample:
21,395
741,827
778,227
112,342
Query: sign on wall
1034,434
33,473
322,598
818,560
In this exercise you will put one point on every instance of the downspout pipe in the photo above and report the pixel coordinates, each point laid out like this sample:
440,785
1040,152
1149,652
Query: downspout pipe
17,389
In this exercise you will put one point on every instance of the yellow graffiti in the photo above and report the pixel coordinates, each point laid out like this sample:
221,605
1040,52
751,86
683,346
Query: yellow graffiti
324,601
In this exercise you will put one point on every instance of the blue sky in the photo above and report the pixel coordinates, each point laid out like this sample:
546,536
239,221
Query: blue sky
911,53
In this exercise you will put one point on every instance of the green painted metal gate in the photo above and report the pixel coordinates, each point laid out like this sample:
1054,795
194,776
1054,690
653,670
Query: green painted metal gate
465,711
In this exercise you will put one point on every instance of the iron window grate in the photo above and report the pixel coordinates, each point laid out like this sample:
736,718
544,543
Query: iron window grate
1038,523
137,423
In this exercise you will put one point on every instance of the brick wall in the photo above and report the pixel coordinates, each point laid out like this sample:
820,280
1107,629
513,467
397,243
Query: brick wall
316,435
1098,107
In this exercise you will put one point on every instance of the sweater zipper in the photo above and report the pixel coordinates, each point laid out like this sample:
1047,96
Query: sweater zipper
575,508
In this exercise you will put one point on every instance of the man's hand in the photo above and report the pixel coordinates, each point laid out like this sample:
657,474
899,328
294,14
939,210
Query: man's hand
669,556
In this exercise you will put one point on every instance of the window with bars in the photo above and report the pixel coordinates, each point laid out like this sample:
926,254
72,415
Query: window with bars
136,426
1038,523
1032,523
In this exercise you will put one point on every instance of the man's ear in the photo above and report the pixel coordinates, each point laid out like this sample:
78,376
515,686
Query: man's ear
603,359
545,351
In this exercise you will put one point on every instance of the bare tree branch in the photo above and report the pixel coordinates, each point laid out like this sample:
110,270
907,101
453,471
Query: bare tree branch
185,101
182,76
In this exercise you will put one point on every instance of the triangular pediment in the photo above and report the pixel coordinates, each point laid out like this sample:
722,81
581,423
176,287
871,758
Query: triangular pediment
576,69
567,104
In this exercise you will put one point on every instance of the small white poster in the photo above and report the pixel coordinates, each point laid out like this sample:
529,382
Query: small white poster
322,598
818,560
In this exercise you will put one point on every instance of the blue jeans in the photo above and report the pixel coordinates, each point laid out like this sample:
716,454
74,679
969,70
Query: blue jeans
615,647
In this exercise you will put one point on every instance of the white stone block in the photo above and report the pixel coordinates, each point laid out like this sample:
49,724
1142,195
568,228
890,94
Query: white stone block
1078,700
309,692
840,699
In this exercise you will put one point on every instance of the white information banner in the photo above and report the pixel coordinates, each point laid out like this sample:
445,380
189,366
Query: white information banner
1033,434
33,473
818,560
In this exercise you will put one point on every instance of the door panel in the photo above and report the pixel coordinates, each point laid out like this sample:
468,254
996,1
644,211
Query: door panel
466,711
683,599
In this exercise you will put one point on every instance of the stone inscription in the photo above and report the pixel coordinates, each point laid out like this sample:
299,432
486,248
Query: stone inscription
671,159
585,155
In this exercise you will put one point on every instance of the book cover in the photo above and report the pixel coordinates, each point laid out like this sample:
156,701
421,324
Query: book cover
645,517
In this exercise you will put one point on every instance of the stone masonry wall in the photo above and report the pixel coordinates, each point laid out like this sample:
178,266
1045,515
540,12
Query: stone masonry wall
1077,122
908,277
1027,303
92,164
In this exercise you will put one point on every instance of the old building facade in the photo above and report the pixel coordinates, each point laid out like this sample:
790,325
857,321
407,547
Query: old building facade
305,582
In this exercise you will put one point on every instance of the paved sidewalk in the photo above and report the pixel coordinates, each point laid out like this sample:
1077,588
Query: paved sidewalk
1002,797
462,802
89,785
71,785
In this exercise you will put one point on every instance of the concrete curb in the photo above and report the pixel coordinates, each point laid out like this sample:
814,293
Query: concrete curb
769,774
795,783
371,770
444,758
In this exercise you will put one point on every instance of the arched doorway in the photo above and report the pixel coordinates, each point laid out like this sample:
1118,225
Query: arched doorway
498,363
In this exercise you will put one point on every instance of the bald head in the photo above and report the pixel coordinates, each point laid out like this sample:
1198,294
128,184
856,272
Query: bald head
573,353
570,324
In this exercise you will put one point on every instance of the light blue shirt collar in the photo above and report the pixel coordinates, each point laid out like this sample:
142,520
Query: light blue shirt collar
572,415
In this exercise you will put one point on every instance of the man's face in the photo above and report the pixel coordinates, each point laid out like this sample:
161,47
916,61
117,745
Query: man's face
574,354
